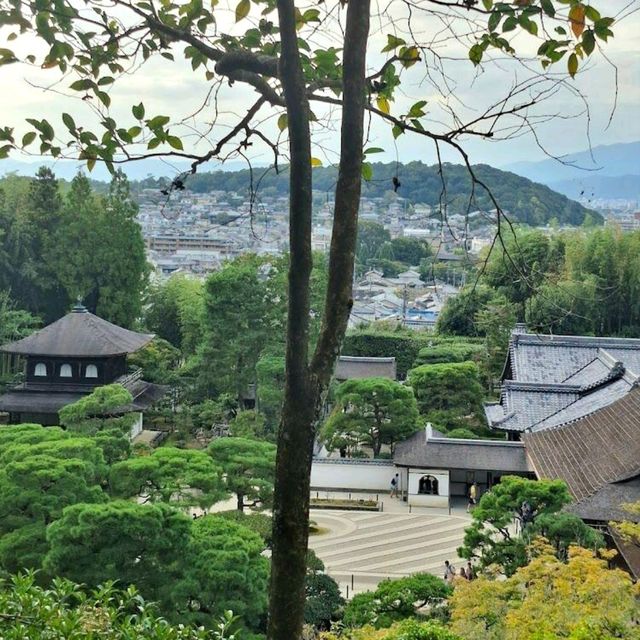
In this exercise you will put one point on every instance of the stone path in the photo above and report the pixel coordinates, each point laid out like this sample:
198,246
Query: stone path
362,548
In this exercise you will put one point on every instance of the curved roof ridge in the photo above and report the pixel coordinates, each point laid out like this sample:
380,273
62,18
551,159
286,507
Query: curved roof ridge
542,387
616,372
582,368
555,427
573,341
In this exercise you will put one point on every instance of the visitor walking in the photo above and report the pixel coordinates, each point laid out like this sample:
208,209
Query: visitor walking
471,574
394,486
449,571
473,497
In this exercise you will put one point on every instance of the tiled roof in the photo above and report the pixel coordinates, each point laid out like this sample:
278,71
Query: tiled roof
558,379
543,358
23,400
355,367
594,370
588,453
604,504
36,402
528,404
428,450
79,334
585,405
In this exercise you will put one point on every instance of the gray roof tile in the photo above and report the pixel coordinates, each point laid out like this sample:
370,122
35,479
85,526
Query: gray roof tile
355,367
590,452
557,379
79,334
440,452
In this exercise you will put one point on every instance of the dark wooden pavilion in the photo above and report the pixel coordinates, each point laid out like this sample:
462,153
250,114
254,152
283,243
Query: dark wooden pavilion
67,360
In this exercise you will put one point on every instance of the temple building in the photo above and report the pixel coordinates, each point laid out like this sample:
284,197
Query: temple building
70,358
569,410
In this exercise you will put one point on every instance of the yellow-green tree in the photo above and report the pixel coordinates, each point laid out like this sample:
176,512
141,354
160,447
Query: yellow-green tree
549,599
629,530
410,629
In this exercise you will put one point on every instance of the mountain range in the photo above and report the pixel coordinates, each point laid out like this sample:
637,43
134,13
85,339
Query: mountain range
524,200
607,171
534,192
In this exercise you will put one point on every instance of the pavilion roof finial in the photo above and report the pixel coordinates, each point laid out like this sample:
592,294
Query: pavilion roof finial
78,307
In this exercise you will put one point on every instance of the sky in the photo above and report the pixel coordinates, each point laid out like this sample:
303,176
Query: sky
174,90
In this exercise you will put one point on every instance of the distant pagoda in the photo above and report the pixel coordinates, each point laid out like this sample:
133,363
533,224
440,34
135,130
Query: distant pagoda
70,358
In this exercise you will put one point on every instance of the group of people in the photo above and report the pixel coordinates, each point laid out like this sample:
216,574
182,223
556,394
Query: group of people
465,573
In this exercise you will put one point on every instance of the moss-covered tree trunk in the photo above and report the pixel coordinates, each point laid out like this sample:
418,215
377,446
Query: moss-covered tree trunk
305,382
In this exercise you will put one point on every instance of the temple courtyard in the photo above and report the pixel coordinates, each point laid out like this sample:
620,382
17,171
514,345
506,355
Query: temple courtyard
359,549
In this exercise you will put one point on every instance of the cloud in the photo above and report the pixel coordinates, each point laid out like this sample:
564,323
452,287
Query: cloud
175,90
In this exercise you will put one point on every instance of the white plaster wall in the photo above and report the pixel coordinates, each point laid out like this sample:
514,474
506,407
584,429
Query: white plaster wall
136,428
441,475
352,474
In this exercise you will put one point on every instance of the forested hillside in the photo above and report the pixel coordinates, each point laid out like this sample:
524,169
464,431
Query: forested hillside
528,202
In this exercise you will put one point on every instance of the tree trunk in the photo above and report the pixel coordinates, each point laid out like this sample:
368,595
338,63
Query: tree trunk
240,501
295,433
305,384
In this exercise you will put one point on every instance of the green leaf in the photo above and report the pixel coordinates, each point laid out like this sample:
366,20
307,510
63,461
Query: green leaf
409,56
138,111
153,143
397,131
242,9
105,81
68,122
572,64
28,138
528,25
367,171
82,85
417,109
548,8
134,132
494,20
158,121
475,54
283,121
588,42
47,130
7,56
311,15
175,142
373,150
487,4
509,24
104,98
91,162
393,43
592,13
601,28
